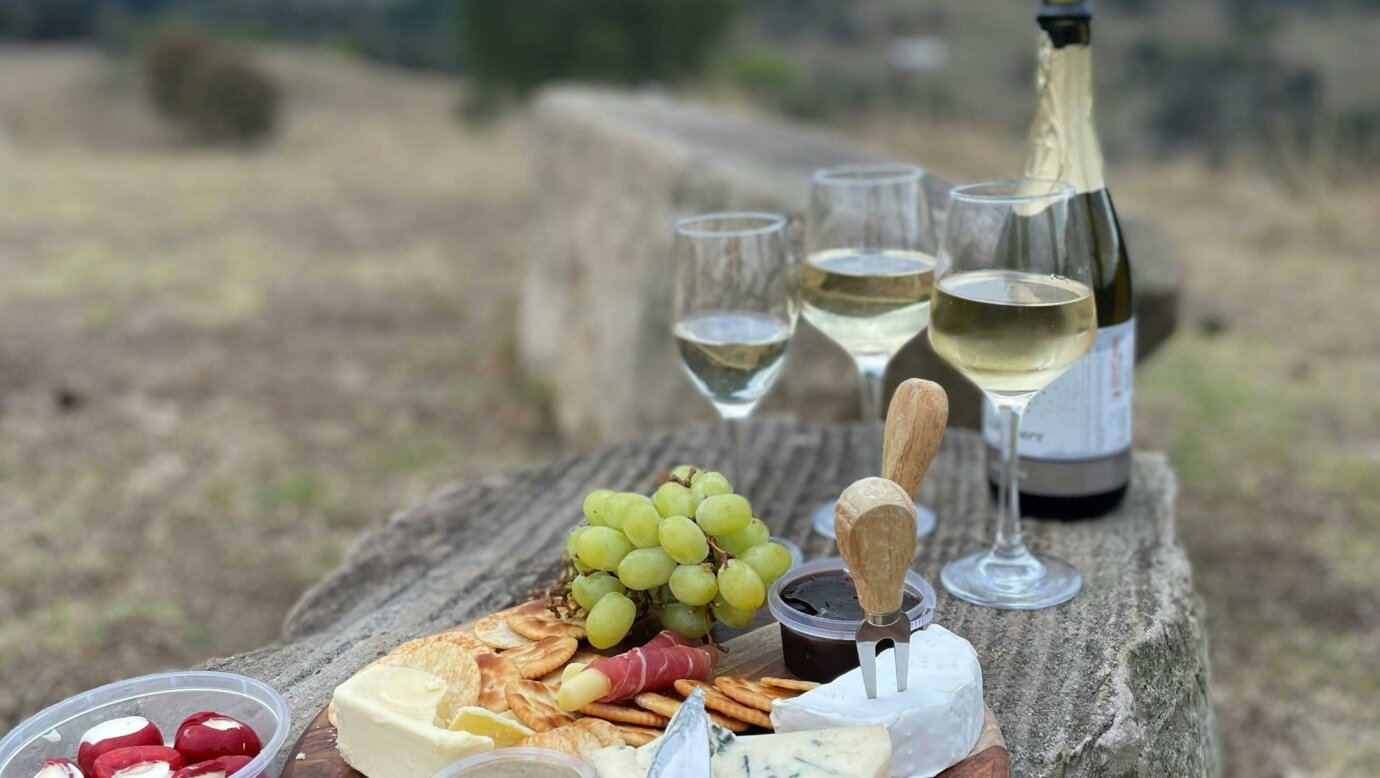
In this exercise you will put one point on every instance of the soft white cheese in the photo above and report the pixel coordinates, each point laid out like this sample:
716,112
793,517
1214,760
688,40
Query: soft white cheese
385,720
933,724
845,752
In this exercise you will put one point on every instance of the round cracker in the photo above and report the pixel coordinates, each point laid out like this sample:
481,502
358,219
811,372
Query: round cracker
534,703
717,700
637,736
751,693
493,629
789,683
625,714
465,640
667,706
536,621
451,663
537,659
495,673
571,739
607,734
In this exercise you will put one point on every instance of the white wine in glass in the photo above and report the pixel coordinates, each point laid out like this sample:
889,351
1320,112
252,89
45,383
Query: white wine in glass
1013,309
868,280
735,302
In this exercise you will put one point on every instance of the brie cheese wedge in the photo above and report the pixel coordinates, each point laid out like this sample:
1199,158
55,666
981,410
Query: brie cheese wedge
385,717
933,724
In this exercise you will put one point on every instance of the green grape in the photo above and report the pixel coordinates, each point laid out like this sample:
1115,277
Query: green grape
770,560
709,484
741,586
571,539
694,584
602,547
609,620
588,589
581,567
723,514
640,523
646,568
683,540
593,506
684,472
689,621
614,507
733,617
672,499
754,534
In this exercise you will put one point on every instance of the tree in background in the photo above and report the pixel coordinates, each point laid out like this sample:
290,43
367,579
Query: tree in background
514,47
219,94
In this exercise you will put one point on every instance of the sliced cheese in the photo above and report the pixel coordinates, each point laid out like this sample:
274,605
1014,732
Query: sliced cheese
385,717
845,752
933,724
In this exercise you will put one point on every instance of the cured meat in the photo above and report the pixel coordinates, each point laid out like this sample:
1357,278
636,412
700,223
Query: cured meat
664,659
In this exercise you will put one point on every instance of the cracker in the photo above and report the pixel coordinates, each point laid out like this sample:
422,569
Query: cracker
465,640
717,700
667,706
535,705
751,693
493,629
607,733
573,740
495,673
789,683
536,621
624,714
546,655
451,663
637,736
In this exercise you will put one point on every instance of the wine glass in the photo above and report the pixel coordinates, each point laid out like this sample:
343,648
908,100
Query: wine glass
1013,309
867,278
735,306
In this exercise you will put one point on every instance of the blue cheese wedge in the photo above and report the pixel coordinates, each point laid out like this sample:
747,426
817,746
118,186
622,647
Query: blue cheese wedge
933,724
844,752
385,717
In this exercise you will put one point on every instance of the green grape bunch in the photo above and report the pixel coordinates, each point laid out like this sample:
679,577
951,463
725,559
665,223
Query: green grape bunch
687,556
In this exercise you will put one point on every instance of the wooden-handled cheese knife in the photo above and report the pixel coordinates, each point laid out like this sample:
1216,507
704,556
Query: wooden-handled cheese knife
875,524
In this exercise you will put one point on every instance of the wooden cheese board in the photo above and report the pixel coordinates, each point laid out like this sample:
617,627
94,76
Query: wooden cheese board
755,654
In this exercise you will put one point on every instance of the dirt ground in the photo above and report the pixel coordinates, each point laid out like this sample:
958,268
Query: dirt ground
217,367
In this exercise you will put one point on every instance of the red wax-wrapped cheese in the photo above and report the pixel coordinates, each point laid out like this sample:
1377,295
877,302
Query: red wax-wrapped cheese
207,735
59,768
115,733
220,767
139,762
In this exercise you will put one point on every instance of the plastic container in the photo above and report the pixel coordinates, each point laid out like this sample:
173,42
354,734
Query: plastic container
166,699
821,649
486,764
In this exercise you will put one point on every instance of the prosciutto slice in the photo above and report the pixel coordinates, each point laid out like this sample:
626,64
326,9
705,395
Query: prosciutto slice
658,664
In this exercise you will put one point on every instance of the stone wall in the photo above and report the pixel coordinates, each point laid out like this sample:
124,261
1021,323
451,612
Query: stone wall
612,172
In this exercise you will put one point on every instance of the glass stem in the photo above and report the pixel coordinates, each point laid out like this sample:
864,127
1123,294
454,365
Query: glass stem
1008,544
736,428
872,378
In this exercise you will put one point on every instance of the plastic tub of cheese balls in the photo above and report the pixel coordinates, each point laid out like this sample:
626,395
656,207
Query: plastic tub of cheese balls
166,700
519,763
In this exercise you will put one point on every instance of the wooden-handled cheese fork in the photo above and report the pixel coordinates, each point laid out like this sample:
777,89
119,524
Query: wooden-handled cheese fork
875,524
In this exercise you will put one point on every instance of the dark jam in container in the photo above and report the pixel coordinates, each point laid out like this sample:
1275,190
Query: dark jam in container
829,595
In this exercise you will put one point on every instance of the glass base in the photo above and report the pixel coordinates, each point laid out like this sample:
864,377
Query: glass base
822,519
1022,582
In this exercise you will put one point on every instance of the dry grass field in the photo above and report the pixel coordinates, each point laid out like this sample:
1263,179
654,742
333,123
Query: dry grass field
217,367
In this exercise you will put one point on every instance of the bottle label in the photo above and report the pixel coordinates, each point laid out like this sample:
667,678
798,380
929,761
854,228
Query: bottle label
1086,412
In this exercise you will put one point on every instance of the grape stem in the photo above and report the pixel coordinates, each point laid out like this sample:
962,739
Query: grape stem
723,556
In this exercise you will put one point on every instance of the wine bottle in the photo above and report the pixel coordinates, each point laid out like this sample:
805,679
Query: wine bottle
1076,434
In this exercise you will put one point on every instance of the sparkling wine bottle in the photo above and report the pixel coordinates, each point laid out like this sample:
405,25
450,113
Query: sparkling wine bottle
1076,435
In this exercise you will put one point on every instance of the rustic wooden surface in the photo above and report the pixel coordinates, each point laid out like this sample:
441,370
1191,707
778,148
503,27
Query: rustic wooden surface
1112,683
754,655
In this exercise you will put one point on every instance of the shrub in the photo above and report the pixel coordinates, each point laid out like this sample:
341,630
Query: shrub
193,80
230,100
508,46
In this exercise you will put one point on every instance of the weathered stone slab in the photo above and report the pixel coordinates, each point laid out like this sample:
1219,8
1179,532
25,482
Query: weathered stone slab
613,171
1113,683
